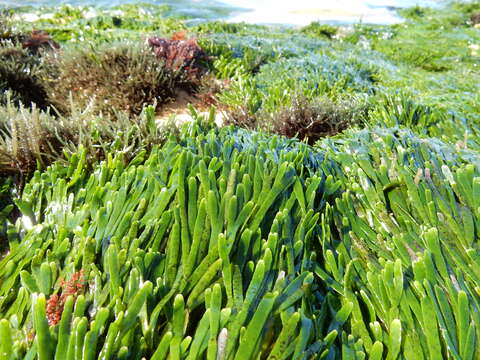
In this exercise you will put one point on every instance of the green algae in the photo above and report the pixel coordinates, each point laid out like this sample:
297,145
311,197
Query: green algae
362,246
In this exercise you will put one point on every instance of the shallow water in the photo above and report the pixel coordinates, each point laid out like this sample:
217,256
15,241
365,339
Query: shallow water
298,12
302,12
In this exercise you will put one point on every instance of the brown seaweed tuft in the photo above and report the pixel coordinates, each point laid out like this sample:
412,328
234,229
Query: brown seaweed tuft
39,39
475,18
304,119
111,78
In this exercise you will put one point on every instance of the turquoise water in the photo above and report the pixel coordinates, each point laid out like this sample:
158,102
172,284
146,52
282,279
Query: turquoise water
298,12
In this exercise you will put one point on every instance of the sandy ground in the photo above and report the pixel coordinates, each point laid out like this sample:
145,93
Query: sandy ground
178,110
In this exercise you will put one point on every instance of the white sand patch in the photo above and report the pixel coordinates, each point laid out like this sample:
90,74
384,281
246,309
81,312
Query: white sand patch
185,117
178,111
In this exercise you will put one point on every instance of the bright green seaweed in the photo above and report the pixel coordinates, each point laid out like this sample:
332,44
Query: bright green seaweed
226,243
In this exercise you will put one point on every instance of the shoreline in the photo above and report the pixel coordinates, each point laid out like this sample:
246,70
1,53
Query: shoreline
299,14
303,17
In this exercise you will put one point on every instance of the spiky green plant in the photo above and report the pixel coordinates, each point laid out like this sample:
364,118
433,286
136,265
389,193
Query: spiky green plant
180,256
234,245
406,232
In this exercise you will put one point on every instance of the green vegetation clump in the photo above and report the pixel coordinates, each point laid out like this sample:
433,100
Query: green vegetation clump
119,23
435,58
277,83
317,29
314,76
361,245
221,27
193,260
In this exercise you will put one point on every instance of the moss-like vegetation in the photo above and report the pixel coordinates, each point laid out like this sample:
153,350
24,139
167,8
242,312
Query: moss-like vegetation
20,77
304,119
317,29
110,78
20,67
